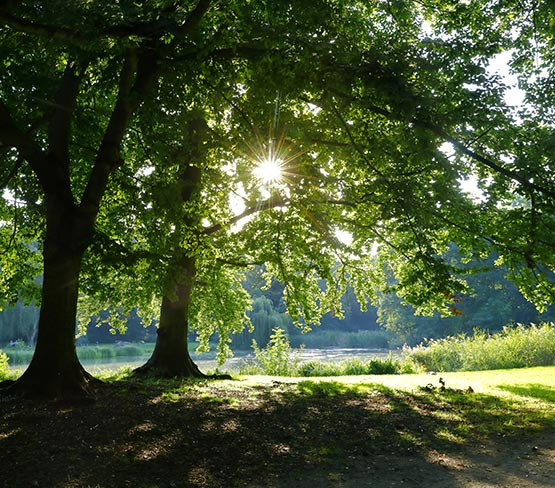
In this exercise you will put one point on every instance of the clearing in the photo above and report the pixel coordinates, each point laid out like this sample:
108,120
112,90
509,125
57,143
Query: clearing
483,429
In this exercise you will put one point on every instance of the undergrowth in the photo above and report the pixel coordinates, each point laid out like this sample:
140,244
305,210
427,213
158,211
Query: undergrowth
3,366
276,359
517,346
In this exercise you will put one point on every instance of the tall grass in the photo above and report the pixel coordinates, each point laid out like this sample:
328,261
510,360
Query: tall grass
375,339
517,346
3,366
277,359
23,354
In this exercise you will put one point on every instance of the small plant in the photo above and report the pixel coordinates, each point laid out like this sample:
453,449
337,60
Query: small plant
3,365
276,358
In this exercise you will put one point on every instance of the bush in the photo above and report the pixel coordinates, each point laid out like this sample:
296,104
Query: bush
275,359
21,356
514,347
356,366
3,365
128,351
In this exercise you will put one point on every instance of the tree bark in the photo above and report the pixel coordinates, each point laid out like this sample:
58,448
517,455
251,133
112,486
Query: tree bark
171,355
55,370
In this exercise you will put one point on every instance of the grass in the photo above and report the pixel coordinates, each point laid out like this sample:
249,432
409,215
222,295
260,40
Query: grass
150,432
22,354
485,403
515,347
376,339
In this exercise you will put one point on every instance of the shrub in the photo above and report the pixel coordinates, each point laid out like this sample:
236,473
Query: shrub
514,347
19,356
275,359
128,351
356,367
3,365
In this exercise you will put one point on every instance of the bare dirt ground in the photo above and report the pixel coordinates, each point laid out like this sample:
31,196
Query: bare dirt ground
223,434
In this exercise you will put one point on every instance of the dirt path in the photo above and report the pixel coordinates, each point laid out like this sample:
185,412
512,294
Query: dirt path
275,435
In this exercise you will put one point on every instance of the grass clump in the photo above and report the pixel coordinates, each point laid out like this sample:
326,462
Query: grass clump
277,360
517,346
3,366
351,367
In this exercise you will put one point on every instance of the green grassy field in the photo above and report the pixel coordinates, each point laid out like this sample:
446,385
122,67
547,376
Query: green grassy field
486,428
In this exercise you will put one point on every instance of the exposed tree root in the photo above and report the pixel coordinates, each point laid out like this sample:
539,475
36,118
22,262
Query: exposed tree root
185,367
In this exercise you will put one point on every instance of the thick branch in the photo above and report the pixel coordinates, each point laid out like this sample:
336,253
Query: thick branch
266,205
65,102
456,143
147,30
11,174
137,76
11,135
194,18
39,29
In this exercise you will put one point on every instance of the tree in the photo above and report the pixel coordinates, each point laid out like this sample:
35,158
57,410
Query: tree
67,122
368,95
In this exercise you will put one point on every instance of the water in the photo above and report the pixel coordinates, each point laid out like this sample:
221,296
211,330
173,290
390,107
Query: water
207,362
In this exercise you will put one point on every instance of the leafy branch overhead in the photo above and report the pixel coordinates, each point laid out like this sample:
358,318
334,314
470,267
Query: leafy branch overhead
135,136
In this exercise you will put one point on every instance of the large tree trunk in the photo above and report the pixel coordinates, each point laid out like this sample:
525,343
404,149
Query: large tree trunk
55,370
171,356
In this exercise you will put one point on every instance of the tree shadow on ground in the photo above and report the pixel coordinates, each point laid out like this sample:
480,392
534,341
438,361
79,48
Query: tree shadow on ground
531,390
225,434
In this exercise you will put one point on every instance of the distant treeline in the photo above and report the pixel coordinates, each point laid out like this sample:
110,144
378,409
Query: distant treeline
493,303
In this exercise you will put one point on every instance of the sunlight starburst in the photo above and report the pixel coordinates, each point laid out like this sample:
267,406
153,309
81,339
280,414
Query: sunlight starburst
269,171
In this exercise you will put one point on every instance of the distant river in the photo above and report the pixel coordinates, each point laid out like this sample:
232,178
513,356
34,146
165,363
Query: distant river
208,361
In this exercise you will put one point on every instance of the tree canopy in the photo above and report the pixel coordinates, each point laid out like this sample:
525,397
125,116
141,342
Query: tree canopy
127,128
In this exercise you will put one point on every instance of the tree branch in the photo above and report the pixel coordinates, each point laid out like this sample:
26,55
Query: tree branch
266,205
11,174
438,131
138,73
65,102
43,30
12,136
145,30
194,18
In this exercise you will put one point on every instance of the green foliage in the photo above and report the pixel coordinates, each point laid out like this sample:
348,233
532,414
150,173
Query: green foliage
490,303
18,322
264,318
3,365
316,339
515,347
356,367
276,359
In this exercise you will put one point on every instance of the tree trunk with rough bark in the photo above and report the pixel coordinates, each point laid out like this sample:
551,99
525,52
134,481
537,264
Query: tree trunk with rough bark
55,370
171,356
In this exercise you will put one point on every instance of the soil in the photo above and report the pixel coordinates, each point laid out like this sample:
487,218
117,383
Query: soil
225,434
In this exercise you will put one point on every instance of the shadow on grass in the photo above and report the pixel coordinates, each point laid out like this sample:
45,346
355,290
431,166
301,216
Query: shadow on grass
172,433
531,390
